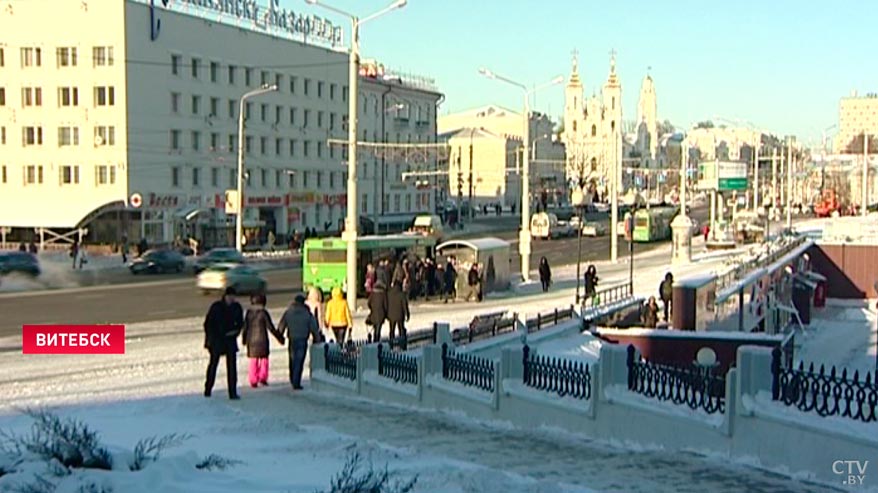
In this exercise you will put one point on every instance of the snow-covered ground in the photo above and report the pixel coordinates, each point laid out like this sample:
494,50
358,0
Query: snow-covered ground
842,336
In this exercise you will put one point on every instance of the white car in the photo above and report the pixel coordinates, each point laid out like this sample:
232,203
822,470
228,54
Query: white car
589,228
243,278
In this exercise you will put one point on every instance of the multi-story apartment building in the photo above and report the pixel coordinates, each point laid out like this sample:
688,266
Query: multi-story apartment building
105,100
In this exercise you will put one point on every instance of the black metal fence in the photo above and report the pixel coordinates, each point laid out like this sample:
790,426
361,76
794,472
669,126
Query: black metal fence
549,319
566,378
399,367
825,393
467,369
422,337
695,387
609,295
340,362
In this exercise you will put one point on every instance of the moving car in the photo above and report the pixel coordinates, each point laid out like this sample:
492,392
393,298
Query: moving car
589,228
19,263
546,226
158,262
243,278
217,256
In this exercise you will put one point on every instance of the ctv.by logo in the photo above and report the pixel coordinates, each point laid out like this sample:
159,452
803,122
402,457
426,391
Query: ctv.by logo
853,471
155,24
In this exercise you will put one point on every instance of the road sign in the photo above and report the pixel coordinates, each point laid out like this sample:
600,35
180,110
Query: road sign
136,200
728,184
231,201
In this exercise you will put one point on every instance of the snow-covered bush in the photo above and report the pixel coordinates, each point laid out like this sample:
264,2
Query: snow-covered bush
215,462
355,478
148,449
70,442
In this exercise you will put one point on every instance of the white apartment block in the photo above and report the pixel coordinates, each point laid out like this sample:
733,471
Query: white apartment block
856,115
104,99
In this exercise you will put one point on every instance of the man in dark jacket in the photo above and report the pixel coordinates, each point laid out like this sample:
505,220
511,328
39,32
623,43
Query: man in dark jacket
221,328
397,314
378,309
300,324
450,281
666,293
473,280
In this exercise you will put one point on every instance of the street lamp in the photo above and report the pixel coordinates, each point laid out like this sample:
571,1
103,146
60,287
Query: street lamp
681,226
239,220
350,232
524,235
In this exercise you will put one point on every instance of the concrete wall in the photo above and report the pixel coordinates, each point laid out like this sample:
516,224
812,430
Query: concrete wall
851,270
752,429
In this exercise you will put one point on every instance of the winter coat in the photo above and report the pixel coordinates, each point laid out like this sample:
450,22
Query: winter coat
297,324
650,316
257,325
666,290
472,277
450,276
337,312
315,306
545,272
222,325
591,282
378,305
397,305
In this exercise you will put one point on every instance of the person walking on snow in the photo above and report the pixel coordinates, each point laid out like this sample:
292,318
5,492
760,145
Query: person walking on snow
378,309
450,281
666,293
545,274
74,252
315,306
222,325
591,281
257,325
338,316
298,323
397,314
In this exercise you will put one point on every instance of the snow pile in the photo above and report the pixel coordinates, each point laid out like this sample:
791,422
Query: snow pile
764,405
580,347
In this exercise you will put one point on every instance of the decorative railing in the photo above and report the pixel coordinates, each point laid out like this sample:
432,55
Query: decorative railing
399,367
695,387
761,261
340,362
827,394
422,337
550,319
467,369
565,378
607,296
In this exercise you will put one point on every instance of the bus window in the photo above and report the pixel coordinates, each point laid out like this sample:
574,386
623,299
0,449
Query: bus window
327,256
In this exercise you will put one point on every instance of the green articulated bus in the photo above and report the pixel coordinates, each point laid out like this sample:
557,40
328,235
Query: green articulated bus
323,259
653,224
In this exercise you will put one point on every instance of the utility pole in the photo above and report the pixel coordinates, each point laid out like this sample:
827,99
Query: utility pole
864,205
459,189
756,180
774,183
789,200
614,195
470,209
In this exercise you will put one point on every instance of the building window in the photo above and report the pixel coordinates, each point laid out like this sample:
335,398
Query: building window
306,148
214,141
196,105
233,178
594,130
175,140
66,56
102,56
68,136
176,60
105,136
31,96
292,116
175,176
319,119
307,88
332,180
263,145
292,147
263,177
305,179
248,144
105,96
32,136
277,174
248,76
68,96
305,117
214,71
332,89
232,139
278,143
33,174
3,177
292,179
344,94
408,203
396,202
214,107
214,177
2,61
263,112
332,121
319,179
320,89
31,57
293,83
105,175
196,177
365,202
196,65
175,102
69,175
196,140
232,106
2,96
2,135
248,109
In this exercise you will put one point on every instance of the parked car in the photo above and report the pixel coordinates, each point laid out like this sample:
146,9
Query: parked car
546,226
158,262
243,278
19,263
217,256
589,228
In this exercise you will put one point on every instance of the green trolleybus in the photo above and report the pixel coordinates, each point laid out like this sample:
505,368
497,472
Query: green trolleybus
653,224
323,259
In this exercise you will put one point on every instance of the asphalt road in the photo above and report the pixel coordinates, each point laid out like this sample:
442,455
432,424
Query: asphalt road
162,297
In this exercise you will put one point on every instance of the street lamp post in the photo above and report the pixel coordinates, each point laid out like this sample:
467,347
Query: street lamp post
789,201
578,201
682,225
350,232
524,236
239,200
864,201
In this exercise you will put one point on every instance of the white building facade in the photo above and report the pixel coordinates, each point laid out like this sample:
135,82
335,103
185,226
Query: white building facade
105,99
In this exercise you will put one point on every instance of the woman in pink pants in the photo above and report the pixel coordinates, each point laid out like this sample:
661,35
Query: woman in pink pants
257,325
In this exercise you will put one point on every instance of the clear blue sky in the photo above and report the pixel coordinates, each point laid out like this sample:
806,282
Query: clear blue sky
780,64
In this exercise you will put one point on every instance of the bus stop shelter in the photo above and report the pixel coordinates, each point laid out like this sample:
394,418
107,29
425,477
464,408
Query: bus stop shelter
491,253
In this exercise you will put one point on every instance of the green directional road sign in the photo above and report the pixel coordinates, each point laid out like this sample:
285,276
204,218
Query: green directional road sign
732,184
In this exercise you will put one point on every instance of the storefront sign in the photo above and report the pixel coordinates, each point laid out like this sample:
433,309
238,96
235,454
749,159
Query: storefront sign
163,201
271,200
263,17
340,199
301,198
293,214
